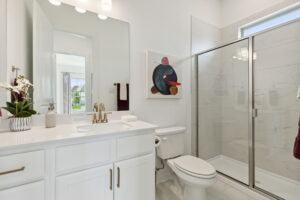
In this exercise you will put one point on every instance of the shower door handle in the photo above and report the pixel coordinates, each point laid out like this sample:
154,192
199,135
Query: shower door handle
254,112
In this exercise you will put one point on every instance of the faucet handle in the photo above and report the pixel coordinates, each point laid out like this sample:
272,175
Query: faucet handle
105,119
101,107
94,121
96,107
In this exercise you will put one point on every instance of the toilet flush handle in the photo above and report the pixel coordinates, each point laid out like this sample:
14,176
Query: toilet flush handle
164,138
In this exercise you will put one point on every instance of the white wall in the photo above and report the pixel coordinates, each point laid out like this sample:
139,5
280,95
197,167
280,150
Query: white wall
43,71
19,36
237,13
3,71
204,36
236,10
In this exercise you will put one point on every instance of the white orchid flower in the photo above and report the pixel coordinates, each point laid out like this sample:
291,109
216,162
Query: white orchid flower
23,83
6,85
16,89
11,88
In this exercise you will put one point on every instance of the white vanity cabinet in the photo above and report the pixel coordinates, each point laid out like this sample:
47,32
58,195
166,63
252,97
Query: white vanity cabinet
91,184
114,167
134,179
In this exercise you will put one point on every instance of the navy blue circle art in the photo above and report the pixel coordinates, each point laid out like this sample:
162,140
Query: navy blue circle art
162,76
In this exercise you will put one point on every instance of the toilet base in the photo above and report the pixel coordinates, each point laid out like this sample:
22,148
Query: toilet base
194,193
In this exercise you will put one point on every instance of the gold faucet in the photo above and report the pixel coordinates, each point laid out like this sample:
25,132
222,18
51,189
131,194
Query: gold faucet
99,109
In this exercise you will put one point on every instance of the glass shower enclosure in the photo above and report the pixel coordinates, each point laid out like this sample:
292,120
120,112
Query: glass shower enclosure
248,111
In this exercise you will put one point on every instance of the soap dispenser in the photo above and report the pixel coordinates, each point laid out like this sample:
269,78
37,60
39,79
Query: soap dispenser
50,117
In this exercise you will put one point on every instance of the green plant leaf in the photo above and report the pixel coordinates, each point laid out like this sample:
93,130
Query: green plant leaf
10,109
12,105
23,114
33,112
20,109
26,106
20,105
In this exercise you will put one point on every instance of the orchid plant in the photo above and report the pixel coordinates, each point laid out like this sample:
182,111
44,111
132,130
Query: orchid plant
20,105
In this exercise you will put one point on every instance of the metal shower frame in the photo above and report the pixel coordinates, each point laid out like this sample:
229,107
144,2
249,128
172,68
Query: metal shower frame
252,111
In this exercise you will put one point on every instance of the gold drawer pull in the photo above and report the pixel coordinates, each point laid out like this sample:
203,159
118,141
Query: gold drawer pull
119,181
12,171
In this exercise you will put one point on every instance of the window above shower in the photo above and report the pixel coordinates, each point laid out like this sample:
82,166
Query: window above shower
278,18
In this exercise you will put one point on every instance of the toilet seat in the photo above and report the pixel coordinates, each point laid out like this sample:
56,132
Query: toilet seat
194,166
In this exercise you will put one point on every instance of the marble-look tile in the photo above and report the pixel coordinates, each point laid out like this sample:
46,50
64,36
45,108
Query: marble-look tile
170,190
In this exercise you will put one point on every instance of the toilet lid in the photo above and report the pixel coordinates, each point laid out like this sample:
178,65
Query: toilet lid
194,166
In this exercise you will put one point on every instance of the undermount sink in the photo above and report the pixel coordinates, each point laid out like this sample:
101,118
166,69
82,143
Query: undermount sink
106,127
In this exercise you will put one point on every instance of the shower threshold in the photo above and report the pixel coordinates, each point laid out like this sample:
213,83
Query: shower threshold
281,186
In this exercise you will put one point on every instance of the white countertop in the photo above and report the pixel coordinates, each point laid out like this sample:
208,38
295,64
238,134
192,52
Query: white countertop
39,135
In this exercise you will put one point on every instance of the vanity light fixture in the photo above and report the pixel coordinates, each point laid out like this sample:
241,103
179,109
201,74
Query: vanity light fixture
55,2
106,5
80,10
102,17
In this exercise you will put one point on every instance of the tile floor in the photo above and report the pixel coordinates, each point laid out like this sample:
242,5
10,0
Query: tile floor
170,190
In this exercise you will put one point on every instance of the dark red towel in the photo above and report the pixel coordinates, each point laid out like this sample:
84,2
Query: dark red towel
297,144
122,105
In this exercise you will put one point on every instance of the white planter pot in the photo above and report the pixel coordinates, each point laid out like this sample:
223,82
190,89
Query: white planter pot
20,124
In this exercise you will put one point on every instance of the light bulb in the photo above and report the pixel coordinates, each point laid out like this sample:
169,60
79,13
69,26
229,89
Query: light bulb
103,17
80,10
244,52
55,2
254,56
106,5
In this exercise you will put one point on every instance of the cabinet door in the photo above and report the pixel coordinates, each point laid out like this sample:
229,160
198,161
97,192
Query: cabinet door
135,179
92,184
33,191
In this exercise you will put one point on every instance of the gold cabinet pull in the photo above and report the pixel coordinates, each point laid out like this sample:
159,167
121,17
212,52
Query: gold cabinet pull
111,179
12,171
119,177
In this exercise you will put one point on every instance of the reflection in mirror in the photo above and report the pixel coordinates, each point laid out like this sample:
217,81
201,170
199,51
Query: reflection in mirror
74,59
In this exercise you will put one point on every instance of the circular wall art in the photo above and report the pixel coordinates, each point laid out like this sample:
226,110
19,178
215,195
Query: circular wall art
165,79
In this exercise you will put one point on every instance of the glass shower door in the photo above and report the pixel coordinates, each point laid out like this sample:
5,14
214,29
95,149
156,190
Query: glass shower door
223,109
276,81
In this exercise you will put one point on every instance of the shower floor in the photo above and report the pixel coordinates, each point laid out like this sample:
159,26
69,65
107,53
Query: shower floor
273,183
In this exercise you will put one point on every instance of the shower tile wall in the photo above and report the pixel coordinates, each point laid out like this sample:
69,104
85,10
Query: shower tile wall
234,124
210,87
223,104
277,78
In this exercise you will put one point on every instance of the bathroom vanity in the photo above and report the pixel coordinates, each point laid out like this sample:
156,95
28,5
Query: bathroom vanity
79,162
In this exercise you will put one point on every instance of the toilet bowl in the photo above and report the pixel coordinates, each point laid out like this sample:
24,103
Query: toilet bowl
194,173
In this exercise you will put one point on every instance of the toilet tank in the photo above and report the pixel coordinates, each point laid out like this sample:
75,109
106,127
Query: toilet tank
171,142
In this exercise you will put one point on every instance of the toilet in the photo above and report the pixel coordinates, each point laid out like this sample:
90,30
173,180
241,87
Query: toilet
195,174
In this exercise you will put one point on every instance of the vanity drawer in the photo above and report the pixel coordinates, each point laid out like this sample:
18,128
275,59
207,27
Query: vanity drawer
84,155
134,146
32,191
21,168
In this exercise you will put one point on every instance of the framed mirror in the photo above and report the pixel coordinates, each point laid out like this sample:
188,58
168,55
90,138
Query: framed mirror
74,58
